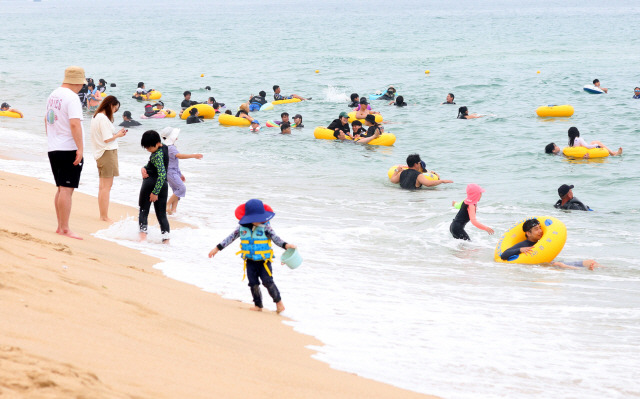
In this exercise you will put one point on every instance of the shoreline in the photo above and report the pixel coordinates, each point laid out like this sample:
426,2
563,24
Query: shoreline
93,318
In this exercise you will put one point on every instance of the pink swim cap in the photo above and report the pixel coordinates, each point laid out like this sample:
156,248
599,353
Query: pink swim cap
474,192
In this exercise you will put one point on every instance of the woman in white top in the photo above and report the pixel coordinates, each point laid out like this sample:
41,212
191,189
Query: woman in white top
576,141
103,135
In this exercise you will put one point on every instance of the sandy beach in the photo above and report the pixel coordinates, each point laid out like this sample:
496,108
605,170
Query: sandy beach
92,319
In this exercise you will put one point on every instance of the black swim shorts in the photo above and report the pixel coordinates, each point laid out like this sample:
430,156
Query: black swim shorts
65,173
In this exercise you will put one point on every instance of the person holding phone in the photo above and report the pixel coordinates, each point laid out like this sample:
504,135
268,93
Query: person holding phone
105,150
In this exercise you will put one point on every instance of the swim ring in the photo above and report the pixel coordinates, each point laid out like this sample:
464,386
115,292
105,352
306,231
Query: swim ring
154,95
169,113
290,100
374,96
103,94
428,175
352,117
385,139
230,120
554,235
204,110
555,111
580,152
266,107
591,89
159,115
10,114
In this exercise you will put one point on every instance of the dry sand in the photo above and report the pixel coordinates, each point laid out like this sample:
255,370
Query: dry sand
92,319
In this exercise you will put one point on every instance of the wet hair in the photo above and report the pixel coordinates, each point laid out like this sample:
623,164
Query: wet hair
400,101
91,85
275,87
282,115
413,159
5,105
228,112
186,93
102,81
354,96
262,93
336,134
548,149
140,84
356,123
452,96
215,105
213,100
207,87
573,134
150,138
193,111
529,224
106,107
284,125
596,81
462,111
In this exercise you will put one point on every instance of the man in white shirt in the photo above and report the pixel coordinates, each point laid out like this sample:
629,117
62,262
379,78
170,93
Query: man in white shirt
63,126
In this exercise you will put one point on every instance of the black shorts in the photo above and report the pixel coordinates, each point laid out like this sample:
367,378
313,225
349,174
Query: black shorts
65,173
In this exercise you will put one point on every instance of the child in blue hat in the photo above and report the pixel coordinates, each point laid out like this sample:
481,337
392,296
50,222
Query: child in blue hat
256,235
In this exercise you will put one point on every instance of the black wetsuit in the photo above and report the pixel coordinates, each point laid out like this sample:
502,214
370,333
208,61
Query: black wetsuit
258,100
148,187
193,119
448,103
573,204
129,123
408,179
387,97
457,226
336,124
372,130
354,104
187,103
515,250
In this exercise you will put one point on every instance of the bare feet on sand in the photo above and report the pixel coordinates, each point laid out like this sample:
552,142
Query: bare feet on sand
68,233
279,307
142,237
255,309
105,219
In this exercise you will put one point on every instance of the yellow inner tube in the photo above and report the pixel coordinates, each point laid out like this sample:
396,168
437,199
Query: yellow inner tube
428,175
554,235
385,139
154,95
103,94
230,120
352,117
555,111
580,152
10,114
204,110
291,100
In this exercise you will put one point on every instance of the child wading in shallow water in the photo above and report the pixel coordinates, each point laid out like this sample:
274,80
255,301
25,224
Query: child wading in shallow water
154,187
174,175
256,235
467,213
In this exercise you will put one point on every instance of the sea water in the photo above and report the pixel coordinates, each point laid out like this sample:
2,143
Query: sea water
384,286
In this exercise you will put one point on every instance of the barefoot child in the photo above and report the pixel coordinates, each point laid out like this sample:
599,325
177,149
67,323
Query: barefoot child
154,185
467,213
255,249
174,176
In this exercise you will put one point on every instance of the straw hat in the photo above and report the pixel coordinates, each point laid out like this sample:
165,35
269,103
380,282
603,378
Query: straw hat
170,134
74,75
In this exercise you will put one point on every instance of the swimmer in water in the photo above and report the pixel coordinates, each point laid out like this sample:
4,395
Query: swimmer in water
533,233
355,100
364,109
567,201
412,178
636,93
127,121
193,116
255,126
399,102
596,83
7,108
576,141
463,113
285,128
449,99
553,149
467,213
277,96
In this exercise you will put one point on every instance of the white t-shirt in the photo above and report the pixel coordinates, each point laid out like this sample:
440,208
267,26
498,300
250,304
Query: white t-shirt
63,104
101,130
579,142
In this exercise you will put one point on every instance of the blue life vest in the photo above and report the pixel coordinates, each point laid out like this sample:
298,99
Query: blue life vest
254,244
